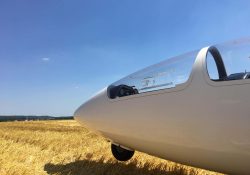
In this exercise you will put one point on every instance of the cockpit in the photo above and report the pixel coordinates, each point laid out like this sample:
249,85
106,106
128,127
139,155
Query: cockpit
224,62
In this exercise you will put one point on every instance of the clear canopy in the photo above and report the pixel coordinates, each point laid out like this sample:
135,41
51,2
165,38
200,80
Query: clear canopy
235,57
225,62
166,74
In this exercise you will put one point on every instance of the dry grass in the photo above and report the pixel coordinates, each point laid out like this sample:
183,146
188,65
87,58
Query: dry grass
65,148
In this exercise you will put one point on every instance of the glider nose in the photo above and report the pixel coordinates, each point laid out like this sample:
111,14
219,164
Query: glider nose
81,113
89,113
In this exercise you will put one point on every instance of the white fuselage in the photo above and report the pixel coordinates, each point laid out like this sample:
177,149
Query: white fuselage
201,123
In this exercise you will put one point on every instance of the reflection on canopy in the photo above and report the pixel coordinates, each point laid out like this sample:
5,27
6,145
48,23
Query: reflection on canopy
166,74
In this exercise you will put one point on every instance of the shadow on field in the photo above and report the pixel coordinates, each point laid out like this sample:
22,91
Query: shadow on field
90,167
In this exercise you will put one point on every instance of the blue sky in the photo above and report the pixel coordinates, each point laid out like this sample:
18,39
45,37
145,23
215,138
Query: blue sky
54,54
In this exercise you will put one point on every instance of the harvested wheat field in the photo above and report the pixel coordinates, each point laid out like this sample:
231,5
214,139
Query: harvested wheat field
66,148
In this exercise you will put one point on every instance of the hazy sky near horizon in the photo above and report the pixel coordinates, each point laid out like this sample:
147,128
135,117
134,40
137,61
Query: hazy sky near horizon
54,54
